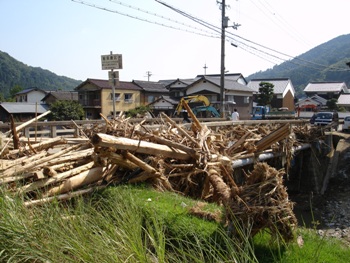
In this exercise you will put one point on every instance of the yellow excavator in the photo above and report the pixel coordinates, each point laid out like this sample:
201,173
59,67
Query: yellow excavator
206,107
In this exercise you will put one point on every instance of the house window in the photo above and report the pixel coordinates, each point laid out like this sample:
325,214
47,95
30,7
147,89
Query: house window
128,98
117,96
230,98
246,99
89,115
178,94
150,98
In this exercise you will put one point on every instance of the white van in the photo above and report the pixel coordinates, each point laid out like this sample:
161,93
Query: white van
346,125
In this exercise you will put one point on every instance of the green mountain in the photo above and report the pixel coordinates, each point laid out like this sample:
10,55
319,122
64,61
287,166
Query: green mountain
14,72
326,62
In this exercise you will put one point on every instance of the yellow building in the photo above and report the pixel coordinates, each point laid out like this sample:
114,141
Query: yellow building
96,97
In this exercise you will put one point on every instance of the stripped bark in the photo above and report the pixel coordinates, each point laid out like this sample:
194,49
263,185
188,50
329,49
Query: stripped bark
85,178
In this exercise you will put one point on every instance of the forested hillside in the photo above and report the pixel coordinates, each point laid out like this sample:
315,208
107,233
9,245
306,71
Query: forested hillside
14,72
326,62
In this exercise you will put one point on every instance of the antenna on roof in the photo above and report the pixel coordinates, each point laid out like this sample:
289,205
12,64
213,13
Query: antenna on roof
205,69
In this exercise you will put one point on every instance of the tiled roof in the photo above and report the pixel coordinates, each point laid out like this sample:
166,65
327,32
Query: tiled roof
151,86
166,98
344,99
166,82
229,84
25,91
279,84
24,107
62,95
184,81
326,87
105,84
317,100
232,76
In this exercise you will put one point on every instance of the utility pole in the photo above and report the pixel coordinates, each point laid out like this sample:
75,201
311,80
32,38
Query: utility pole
149,74
222,75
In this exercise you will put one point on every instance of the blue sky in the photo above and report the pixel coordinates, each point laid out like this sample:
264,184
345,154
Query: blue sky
68,37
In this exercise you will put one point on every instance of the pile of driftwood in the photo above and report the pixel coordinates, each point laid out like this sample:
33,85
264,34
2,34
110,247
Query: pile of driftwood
191,160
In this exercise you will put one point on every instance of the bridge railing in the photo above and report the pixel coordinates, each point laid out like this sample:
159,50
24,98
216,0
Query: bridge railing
52,129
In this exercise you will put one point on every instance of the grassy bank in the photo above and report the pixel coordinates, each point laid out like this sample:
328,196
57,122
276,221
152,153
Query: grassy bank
137,224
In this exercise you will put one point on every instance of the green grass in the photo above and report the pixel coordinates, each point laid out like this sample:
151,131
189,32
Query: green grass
138,224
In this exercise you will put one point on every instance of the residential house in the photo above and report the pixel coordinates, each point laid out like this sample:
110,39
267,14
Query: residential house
163,104
177,88
238,77
326,90
60,95
32,95
96,97
284,92
150,91
344,101
21,111
237,95
314,103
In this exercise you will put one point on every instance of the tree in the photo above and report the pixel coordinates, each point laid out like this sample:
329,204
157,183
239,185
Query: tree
13,91
138,111
63,110
332,104
265,95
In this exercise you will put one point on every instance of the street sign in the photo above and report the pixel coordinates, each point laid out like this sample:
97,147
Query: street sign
112,61
113,77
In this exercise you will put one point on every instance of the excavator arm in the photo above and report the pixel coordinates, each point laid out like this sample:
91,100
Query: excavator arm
191,99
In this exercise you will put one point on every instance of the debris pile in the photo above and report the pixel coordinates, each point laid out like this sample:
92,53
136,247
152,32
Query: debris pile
191,160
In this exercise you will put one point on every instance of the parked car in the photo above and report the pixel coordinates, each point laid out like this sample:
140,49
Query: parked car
346,125
327,118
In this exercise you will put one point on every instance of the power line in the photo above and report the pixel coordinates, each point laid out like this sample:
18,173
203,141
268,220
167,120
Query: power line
251,49
156,15
141,19
217,29
283,21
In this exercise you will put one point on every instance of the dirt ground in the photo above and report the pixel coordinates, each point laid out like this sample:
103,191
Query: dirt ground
330,213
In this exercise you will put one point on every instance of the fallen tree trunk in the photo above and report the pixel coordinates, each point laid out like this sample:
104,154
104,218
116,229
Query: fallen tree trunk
58,178
138,146
85,178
